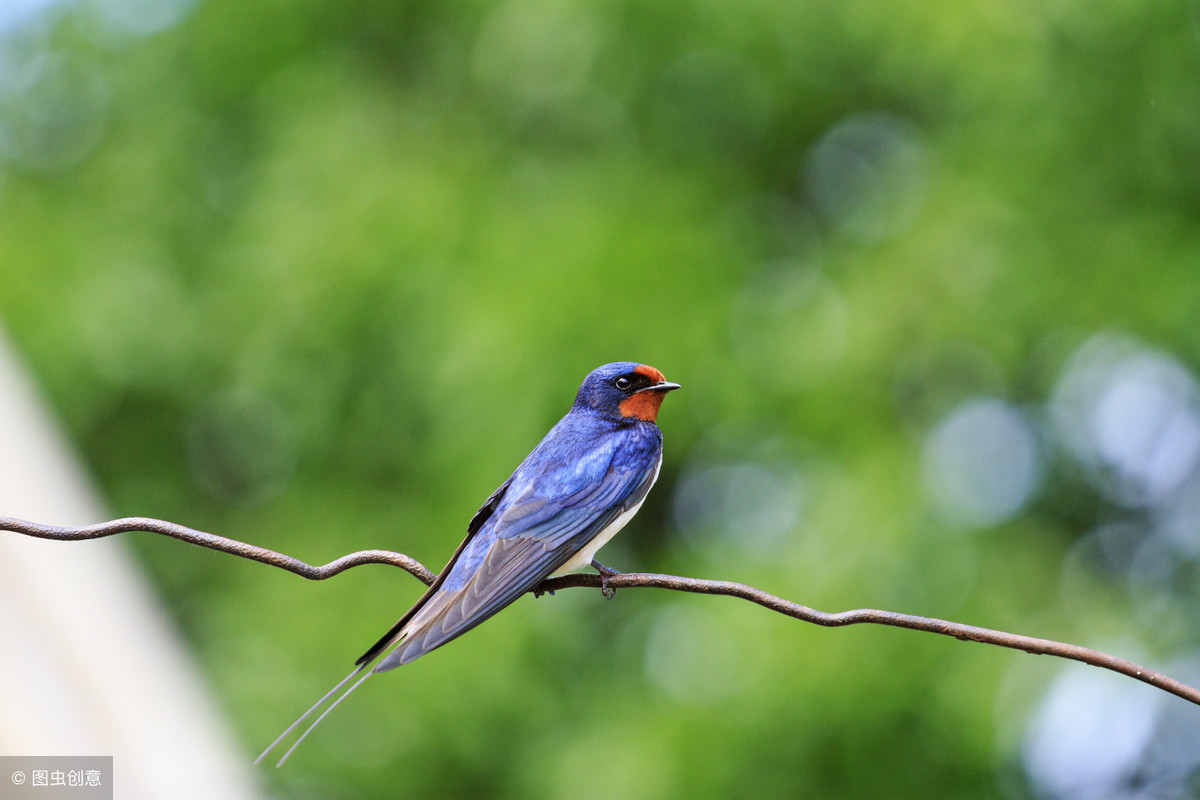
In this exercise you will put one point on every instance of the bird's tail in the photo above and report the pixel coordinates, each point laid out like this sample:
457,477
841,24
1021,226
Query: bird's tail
361,668
367,664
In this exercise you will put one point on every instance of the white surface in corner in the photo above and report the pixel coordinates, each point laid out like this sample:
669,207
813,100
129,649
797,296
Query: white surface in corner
89,664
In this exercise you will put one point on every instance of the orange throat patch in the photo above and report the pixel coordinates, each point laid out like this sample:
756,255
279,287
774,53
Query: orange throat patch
644,405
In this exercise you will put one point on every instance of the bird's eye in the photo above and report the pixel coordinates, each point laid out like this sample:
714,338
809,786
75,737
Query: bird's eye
623,383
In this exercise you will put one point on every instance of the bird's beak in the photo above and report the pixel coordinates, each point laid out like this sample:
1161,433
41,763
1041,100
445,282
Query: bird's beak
661,386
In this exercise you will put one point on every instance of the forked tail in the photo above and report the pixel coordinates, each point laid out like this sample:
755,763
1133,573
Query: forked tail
360,668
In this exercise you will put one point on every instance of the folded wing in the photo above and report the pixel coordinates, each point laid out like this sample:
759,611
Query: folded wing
534,536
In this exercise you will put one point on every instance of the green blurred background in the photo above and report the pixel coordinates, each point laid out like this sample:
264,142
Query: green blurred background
318,275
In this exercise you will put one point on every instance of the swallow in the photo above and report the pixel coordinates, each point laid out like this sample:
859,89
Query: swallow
567,499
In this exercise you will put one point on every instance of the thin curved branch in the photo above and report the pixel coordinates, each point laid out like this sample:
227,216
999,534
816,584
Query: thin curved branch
627,580
221,543
872,616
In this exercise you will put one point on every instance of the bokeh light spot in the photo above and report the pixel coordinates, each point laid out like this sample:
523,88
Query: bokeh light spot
143,17
868,176
1087,738
982,463
746,503
530,52
1131,416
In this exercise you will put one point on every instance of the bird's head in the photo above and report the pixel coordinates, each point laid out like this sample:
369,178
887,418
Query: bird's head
624,391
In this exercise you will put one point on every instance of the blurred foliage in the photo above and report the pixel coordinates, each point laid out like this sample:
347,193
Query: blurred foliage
318,275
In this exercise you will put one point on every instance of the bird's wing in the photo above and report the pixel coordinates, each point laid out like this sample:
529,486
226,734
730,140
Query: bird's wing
477,522
485,510
534,537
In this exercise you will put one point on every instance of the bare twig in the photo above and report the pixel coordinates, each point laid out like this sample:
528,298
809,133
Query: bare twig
627,580
223,544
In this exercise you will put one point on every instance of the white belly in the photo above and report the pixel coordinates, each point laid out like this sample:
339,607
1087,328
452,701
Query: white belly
584,557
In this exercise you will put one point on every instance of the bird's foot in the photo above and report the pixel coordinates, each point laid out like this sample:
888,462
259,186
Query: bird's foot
609,592
539,592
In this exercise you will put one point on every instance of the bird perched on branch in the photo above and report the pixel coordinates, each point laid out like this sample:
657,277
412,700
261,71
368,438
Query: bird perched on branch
568,498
